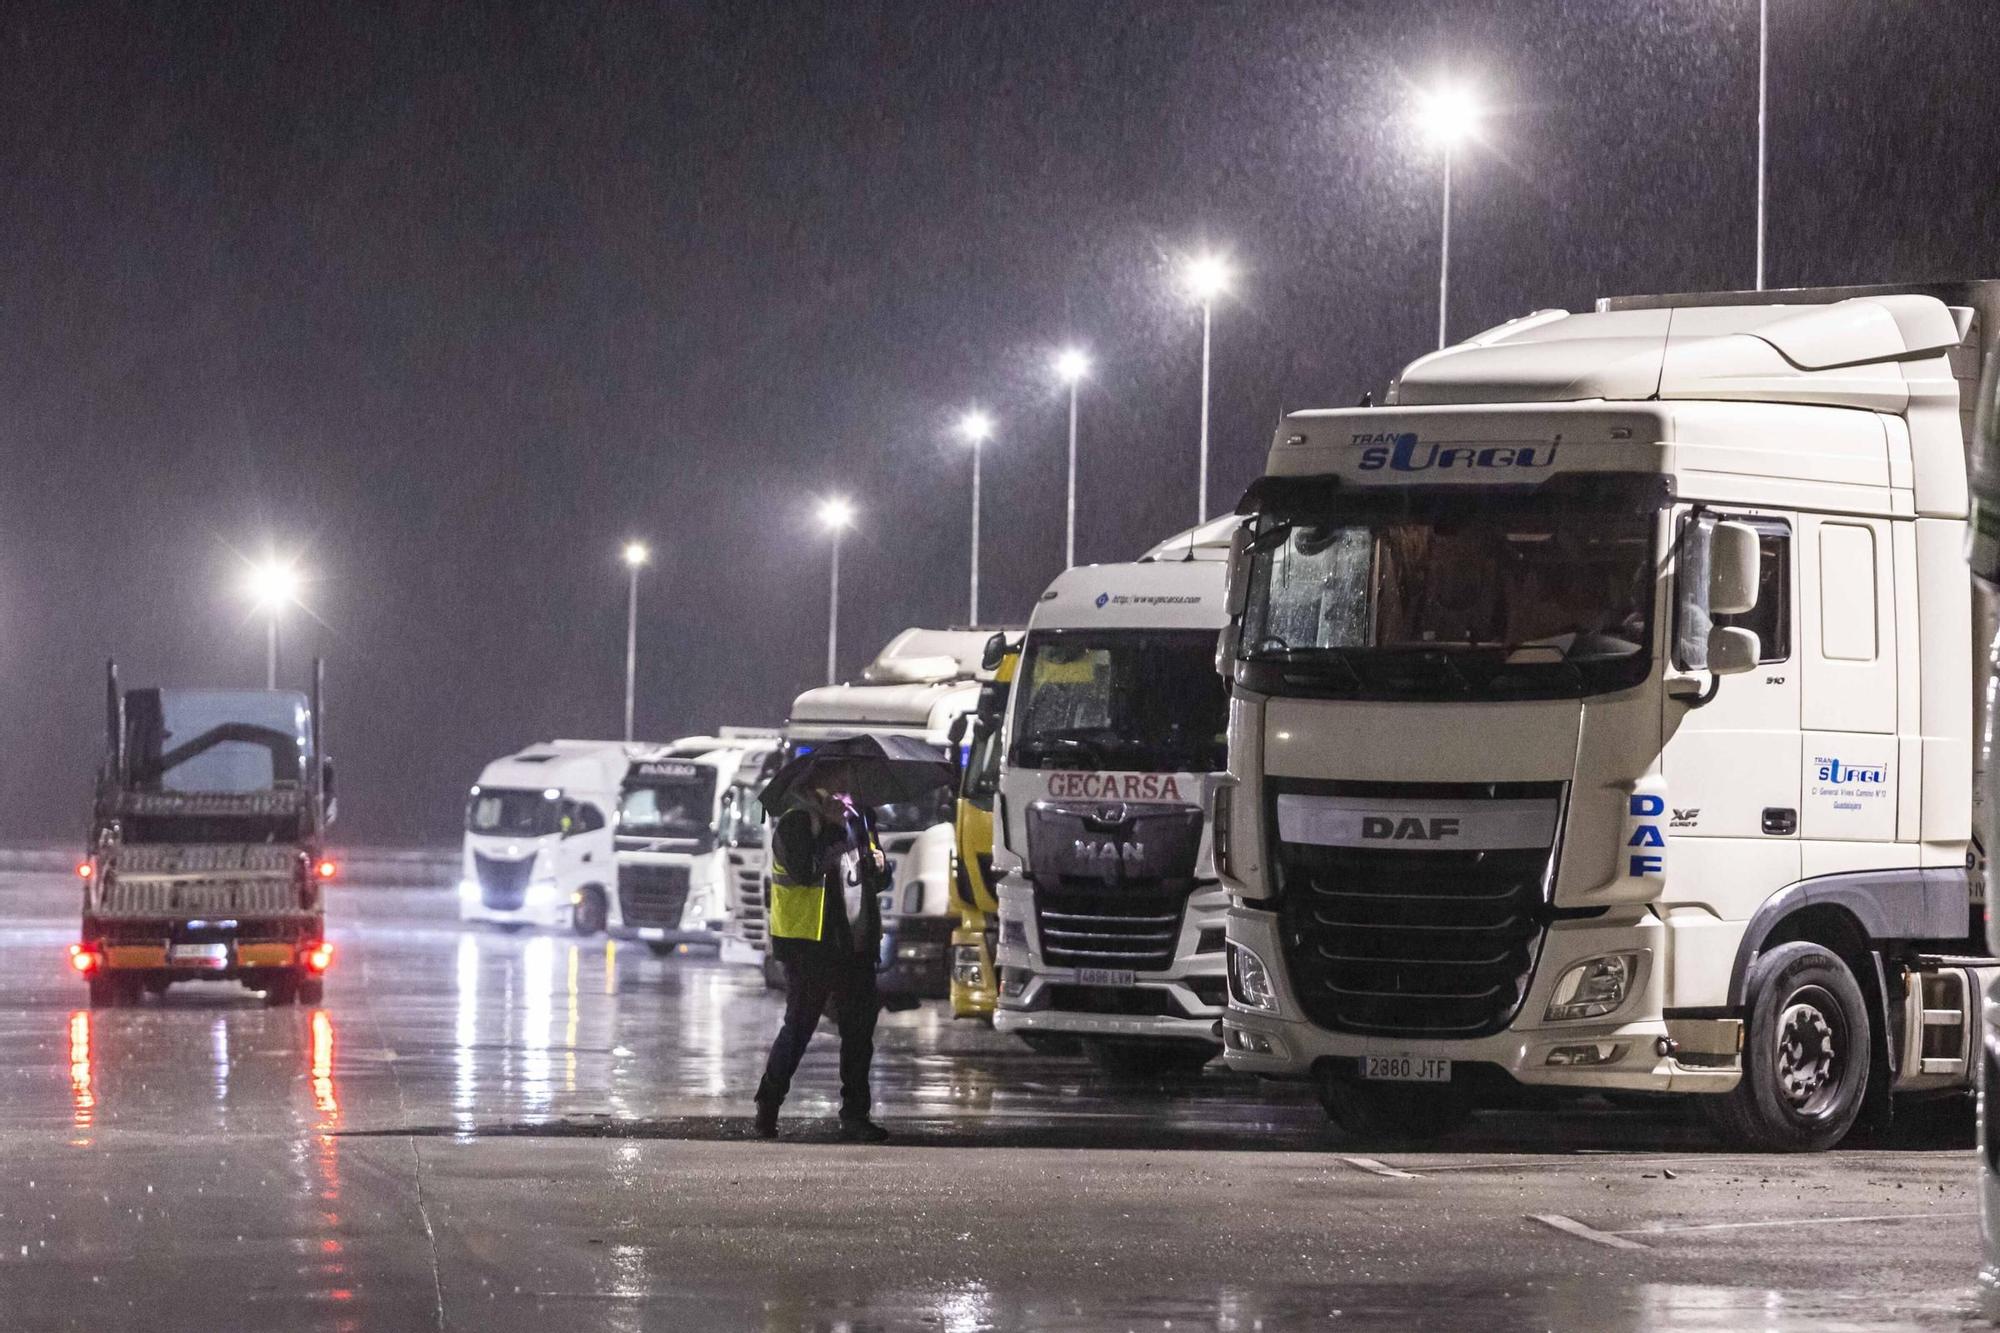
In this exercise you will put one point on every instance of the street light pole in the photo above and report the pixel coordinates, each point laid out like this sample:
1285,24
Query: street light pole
975,427
834,514
1763,84
273,585
635,556
1071,366
1201,491
1449,115
1207,276
1444,251
271,651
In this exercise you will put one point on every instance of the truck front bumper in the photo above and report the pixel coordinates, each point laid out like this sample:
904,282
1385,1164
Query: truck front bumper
1633,1049
542,906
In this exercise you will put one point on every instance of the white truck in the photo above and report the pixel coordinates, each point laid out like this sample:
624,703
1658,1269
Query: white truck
601,837
677,826
1111,918
918,685
1603,720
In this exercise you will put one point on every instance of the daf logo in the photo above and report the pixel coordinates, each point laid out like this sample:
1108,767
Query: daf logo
1409,828
1109,851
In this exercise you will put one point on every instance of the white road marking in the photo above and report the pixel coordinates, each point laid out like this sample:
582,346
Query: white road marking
1582,1232
1660,1230
1379,1168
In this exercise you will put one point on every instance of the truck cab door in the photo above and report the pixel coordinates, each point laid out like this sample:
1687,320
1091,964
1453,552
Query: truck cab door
1850,706
1732,765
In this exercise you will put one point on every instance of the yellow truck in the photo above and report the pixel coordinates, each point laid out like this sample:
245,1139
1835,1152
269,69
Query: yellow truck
974,987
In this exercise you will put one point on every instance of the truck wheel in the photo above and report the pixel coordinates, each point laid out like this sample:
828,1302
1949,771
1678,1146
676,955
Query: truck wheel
661,949
1806,1052
1393,1111
591,912
157,986
312,990
110,992
282,989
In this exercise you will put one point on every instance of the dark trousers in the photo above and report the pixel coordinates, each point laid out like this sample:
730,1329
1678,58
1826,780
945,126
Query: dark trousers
848,980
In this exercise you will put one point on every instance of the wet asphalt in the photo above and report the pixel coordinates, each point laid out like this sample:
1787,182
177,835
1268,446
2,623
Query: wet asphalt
485,1131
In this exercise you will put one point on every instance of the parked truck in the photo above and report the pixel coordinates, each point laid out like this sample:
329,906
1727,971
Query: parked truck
680,818
1111,918
921,682
975,940
1603,720
207,853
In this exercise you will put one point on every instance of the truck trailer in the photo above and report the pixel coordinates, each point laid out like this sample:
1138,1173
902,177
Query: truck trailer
207,852
1604,716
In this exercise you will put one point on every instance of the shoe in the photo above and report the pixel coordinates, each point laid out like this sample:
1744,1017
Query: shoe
862,1130
767,1121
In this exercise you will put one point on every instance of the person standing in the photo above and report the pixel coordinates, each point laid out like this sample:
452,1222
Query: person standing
825,931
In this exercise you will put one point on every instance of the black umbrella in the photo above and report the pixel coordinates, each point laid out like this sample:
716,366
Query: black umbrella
869,770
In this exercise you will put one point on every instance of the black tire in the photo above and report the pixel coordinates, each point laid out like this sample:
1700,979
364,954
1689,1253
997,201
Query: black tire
281,989
1394,1111
661,949
1807,1049
110,992
591,913
312,990
1150,1061
157,986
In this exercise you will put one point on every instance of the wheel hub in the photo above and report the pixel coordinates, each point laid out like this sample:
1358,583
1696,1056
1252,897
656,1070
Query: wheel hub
1805,1053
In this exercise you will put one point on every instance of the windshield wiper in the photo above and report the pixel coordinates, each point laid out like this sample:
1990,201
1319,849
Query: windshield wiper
1055,743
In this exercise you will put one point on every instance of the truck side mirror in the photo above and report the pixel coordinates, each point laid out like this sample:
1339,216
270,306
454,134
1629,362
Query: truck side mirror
326,790
1225,648
1734,565
1237,595
1733,650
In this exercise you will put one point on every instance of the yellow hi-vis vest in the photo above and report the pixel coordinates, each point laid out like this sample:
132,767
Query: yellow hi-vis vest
798,906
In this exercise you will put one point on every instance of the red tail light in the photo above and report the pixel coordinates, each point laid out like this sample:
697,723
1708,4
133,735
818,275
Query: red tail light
319,957
84,870
326,869
84,958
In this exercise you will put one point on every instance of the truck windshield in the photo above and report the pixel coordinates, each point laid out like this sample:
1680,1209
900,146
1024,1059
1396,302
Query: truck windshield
215,742
669,807
509,813
1146,701
1452,593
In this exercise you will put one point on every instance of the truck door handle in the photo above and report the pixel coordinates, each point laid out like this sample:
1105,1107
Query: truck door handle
1780,821
587,856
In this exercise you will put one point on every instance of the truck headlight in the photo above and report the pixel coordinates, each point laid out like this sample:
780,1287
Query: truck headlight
1250,982
542,891
468,891
1593,988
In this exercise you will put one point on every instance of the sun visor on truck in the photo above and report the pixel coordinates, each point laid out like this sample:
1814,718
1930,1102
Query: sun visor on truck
1310,497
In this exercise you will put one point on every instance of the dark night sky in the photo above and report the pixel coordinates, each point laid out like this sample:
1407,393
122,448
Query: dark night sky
452,299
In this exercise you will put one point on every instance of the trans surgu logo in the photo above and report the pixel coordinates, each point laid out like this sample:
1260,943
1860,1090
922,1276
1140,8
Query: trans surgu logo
1403,453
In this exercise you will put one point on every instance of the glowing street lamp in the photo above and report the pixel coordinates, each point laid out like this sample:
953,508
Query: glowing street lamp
273,585
635,556
975,428
1071,365
836,515
1448,115
1206,276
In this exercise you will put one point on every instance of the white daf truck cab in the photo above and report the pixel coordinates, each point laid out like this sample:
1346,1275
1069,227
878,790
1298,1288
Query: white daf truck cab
1111,917
539,847
918,685
1603,719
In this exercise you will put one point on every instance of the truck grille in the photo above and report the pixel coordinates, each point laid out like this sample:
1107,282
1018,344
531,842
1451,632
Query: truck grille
1086,925
1405,938
503,885
652,895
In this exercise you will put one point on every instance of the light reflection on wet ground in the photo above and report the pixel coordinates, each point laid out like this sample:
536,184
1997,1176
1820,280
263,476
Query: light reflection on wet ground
482,1130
